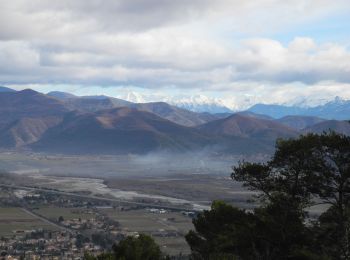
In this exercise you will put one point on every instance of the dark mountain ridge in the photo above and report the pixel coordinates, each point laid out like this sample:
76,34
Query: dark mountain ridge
95,103
119,130
28,103
5,89
300,122
342,127
247,126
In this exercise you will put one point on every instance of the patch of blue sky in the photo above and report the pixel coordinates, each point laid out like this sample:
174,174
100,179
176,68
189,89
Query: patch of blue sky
335,28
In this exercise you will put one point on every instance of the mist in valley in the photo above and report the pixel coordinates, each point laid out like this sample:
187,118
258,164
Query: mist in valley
195,178
151,164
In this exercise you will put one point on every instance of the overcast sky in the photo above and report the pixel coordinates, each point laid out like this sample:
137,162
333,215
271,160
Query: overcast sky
271,51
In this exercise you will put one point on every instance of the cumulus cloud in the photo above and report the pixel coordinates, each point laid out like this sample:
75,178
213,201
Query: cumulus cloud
302,60
41,18
152,61
163,43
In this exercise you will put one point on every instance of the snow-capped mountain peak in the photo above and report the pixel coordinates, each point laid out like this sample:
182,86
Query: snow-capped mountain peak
200,103
196,103
309,102
134,97
339,100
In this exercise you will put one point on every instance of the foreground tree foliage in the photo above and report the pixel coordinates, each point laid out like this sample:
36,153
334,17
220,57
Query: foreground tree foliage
311,170
142,247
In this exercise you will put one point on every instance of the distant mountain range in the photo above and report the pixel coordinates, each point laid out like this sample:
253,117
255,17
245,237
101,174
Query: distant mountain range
308,106
63,123
338,109
197,103
162,109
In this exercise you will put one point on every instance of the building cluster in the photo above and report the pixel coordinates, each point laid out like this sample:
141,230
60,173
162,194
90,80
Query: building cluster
93,231
45,244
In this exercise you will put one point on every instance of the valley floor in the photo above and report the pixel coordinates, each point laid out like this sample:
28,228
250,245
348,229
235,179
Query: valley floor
132,194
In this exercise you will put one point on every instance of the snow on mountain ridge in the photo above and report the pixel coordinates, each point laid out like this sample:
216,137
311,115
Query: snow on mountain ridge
200,103
197,103
307,102
203,103
134,97
310,102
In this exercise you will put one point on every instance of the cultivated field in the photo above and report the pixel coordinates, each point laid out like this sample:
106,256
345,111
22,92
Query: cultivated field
53,213
16,219
168,229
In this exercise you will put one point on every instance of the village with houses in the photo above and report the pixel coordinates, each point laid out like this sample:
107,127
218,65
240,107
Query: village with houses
37,224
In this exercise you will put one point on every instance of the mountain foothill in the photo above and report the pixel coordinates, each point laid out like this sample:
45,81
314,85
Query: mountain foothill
60,122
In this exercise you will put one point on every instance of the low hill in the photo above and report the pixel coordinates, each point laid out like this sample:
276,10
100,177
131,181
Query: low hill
120,130
94,103
27,103
26,130
300,122
254,115
177,115
342,127
61,95
247,126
